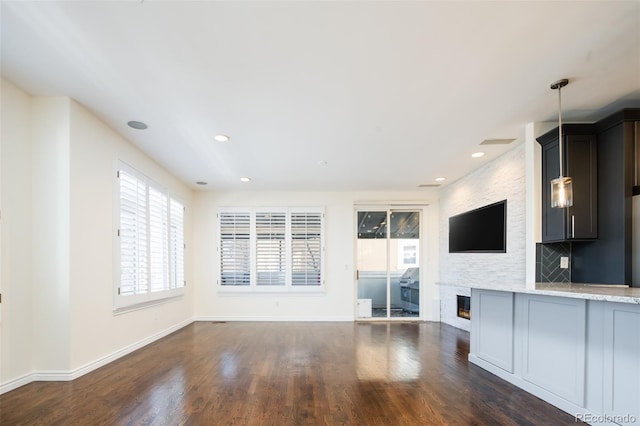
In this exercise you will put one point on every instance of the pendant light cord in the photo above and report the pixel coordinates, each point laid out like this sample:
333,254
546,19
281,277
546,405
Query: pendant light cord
560,143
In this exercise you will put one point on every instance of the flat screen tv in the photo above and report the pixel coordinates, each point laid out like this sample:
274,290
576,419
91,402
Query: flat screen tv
483,230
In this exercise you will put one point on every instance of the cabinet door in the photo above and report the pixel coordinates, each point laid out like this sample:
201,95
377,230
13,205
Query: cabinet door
579,222
554,341
553,220
582,217
621,366
492,327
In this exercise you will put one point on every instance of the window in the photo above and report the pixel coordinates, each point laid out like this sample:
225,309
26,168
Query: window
271,256
151,240
275,249
306,249
235,246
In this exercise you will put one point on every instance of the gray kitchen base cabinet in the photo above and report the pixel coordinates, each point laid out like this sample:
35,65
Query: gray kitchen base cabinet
582,356
492,328
622,359
553,344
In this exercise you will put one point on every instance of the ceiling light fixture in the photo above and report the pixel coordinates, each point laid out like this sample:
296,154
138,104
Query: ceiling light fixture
562,187
138,125
440,179
245,179
477,154
221,138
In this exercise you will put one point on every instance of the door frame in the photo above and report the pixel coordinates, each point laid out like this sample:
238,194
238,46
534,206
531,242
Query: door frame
390,207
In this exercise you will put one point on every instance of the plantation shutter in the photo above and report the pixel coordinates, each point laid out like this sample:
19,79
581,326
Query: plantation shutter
306,249
158,239
235,248
271,254
133,235
177,244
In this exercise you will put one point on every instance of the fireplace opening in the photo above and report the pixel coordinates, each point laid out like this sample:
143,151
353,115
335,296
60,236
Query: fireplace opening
464,307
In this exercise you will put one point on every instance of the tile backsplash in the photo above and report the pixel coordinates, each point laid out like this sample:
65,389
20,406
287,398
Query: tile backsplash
548,262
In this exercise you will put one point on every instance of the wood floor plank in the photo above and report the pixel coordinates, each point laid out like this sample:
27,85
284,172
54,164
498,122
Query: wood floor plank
287,374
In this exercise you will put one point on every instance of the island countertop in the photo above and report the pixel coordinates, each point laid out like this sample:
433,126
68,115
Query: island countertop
604,292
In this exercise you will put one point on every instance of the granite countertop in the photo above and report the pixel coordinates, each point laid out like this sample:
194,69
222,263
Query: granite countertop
604,292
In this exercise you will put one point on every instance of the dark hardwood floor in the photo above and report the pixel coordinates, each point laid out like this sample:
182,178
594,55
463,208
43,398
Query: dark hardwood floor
287,374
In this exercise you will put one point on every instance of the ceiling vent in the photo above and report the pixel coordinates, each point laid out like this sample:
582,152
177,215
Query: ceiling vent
429,185
496,141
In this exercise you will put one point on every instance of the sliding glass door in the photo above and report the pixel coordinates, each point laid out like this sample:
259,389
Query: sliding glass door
388,263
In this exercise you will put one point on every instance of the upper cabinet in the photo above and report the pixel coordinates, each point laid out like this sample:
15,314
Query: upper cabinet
608,260
579,222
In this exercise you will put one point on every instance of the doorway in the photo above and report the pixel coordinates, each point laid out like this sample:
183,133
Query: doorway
388,261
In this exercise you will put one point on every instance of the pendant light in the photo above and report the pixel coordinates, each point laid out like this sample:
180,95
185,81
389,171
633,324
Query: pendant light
561,188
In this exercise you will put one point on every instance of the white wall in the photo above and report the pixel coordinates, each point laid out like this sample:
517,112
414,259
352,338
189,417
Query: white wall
58,181
533,159
16,308
503,178
95,330
58,175
50,233
338,302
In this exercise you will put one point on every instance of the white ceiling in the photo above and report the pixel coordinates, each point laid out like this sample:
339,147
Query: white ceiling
390,94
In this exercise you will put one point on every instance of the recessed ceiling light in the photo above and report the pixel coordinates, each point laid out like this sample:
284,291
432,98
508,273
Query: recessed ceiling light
200,182
440,179
221,138
138,125
245,179
477,154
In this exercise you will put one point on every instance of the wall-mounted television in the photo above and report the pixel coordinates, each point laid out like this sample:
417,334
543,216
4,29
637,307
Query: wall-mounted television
483,230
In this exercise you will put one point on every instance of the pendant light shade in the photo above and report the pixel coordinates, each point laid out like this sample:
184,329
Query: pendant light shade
561,192
562,187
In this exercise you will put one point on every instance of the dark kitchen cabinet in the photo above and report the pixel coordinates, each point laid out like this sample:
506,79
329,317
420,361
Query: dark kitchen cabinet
609,259
579,222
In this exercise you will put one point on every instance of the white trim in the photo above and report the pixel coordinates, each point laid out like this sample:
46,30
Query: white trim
16,383
265,290
274,319
143,305
65,376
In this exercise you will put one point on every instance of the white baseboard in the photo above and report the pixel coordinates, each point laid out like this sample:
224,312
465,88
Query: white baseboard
16,383
272,319
65,376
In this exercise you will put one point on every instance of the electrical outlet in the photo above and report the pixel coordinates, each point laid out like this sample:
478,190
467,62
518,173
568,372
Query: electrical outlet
564,262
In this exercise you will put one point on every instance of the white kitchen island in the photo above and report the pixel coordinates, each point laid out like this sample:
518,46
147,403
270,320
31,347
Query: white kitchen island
574,346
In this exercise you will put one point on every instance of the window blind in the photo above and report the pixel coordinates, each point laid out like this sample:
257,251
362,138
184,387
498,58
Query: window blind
177,244
133,235
235,249
158,240
306,249
270,248
151,240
